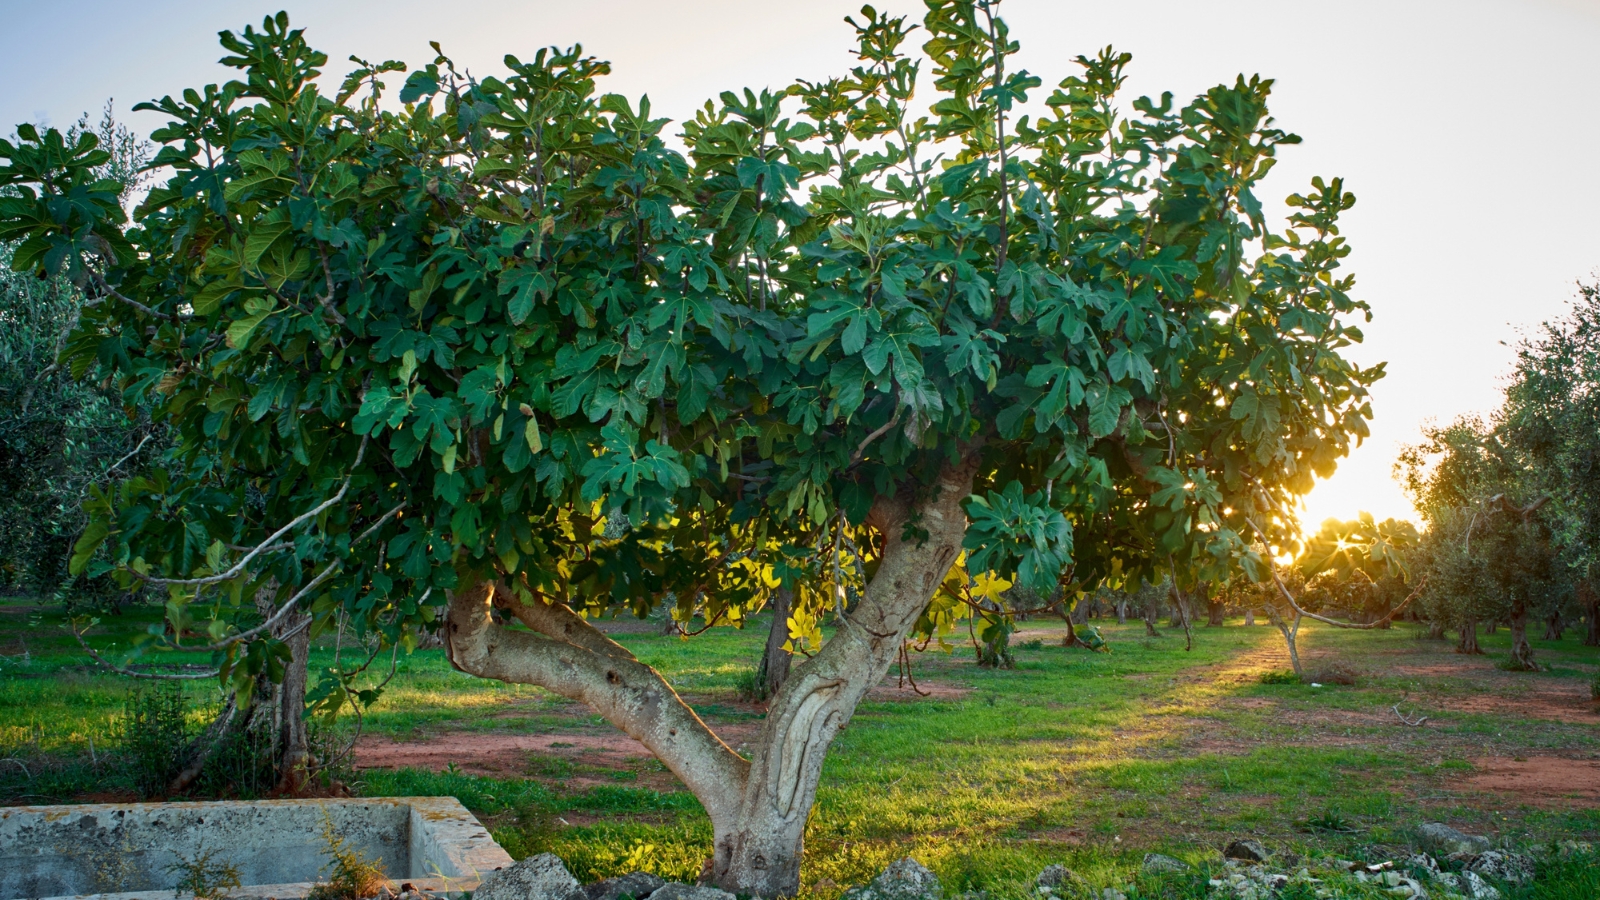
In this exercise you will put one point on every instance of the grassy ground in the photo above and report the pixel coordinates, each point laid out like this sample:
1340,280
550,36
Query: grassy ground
1075,757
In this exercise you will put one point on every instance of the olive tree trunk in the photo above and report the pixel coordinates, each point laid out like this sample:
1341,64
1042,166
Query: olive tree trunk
1521,650
758,807
1468,642
1590,598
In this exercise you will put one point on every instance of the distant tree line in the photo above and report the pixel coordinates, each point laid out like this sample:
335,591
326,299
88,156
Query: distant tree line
1511,502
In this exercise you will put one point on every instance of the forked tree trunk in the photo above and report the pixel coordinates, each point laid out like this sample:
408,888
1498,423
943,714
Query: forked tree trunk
1290,629
758,808
1469,637
1553,626
1521,650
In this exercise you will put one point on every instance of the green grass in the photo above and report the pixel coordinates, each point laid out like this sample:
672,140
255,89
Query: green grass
1091,759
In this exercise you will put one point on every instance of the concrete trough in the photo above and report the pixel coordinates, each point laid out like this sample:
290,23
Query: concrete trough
128,851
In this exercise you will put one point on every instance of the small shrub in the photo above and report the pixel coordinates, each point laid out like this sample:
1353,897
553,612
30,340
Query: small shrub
354,876
750,686
155,735
1035,644
1279,678
203,877
1335,674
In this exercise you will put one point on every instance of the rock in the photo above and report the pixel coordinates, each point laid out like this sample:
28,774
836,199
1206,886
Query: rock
1156,862
635,885
674,891
1112,894
1442,840
1246,849
1506,866
1056,876
541,877
1476,888
905,879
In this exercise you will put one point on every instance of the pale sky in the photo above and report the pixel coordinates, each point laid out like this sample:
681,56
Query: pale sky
1468,130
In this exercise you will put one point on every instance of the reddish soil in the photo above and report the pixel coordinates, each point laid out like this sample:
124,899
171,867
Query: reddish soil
502,755
1555,706
1540,780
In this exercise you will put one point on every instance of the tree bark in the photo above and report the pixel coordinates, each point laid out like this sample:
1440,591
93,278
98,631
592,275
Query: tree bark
1249,618
291,749
1122,612
1215,606
1591,612
1521,650
774,668
1553,626
758,809
1468,642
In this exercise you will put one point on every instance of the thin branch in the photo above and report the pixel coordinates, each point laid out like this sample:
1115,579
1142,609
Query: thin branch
276,617
883,430
120,670
239,566
115,294
1415,724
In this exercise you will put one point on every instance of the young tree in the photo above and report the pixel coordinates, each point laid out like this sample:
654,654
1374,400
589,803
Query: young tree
506,346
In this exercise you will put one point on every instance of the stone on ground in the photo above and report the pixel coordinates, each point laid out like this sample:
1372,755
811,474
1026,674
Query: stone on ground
1512,867
541,877
1157,862
905,879
635,885
1246,849
1442,840
1056,876
674,891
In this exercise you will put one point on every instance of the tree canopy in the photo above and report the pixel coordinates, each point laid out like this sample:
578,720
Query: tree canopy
502,342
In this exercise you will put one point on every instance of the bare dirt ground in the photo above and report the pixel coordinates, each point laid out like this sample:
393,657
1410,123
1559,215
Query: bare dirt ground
576,752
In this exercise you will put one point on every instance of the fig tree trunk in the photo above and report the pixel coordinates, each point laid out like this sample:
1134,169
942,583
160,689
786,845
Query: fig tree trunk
758,808
1215,606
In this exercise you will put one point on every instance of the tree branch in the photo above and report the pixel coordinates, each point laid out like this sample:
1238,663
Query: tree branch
627,693
239,566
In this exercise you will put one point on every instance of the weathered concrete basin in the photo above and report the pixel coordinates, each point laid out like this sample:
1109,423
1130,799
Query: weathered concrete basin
128,850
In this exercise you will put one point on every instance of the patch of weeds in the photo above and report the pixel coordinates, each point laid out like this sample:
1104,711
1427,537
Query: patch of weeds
1285,677
354,875
1572,875
155,735
1594,688
1330,819
205,877
750,686
1035,644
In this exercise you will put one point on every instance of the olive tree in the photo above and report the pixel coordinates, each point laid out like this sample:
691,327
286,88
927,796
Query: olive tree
868,337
